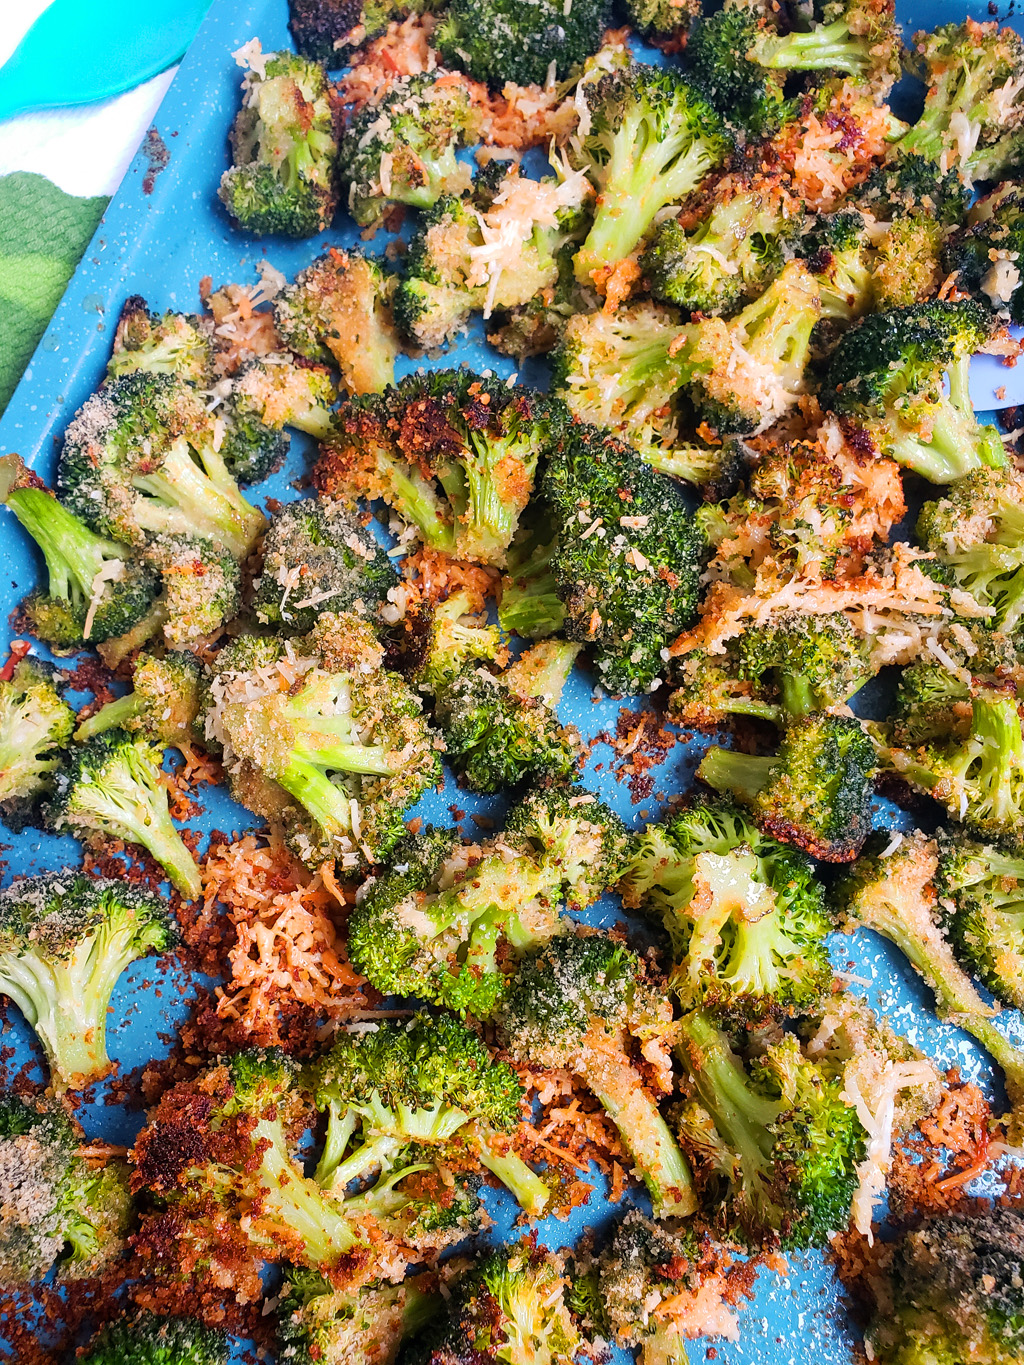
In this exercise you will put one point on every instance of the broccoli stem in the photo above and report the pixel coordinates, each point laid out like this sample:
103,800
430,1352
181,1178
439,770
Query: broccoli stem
368,1156
292,1209
67,1007
341,1124
114,714
727,770
830,47
956,444
369,759
416,503
185,499
797,695
328,804
513,1172
665,1171
74,555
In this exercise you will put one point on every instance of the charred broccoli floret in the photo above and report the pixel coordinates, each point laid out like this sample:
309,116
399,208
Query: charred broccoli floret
176,343
163,704
726,248
652,140
626,559
973,74
744,914
838,253
952,1292
453,454
981,904
344,737
35,724
140,459
815,793
318,558
338,311
579,1004
324,29
111,786
775,1134
95,588
282,140
447,638
56,1207
887,372
418,126
147,1338
318,1324
428,1081
519,40
501,729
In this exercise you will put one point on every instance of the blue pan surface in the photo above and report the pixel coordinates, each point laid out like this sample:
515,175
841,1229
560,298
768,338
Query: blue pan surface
162,232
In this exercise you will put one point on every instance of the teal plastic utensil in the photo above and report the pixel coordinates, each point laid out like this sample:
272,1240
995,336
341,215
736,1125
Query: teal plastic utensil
79,51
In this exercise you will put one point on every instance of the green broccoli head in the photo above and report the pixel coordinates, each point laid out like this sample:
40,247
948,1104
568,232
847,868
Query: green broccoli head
981,904
35,724
577,1004
65,939
986,252
812,661
338,311
453,454
408,140
437,641
745,915
163,704
953,1292
95,589
839,254
111,786
662,21
519,40
150,1339
573,835
140,459
344,737
318,1324
202,588
265,395
652,139
177,343
887,371
627,559
815,794
775,1147
447,923
282,181
317,558
56,1207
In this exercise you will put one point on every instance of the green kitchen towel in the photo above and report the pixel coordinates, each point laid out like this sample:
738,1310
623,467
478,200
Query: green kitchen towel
43,233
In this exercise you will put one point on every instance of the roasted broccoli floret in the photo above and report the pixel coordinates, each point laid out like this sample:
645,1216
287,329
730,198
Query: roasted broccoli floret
725,248
973,74
447,637
95,588
709,691
56,1207
339,311
417,126
775,1134
580,1003
318,1324
140,459
626,559
986,254
649,1283
262,398
976,533
629,369
718,468
282,140
519,40
147,1338
318,558
202,589
111,786
981,905
808,662
974,769
952,1291
177,343
344,737
887,372
652,140
748,94
509,1306
530,605
815,793
427,1081
581,844
895,894
35,724
501,729
837,250
163,704
452,453
324,29
744,914
662,22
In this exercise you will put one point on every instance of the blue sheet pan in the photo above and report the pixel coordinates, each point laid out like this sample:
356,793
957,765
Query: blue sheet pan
160,235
